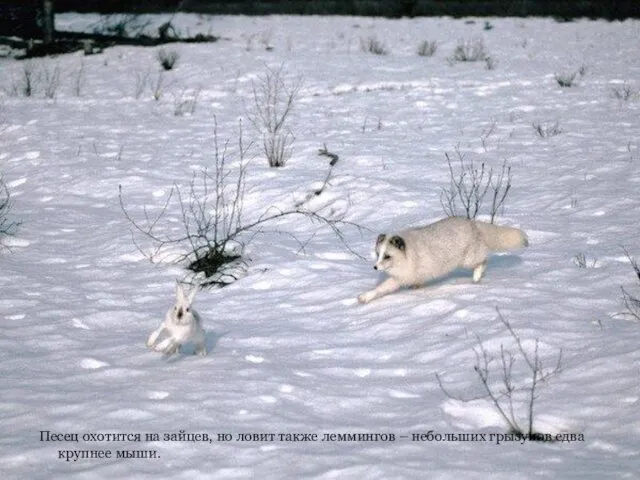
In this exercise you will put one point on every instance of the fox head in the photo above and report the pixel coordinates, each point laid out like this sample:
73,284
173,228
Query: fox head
390,252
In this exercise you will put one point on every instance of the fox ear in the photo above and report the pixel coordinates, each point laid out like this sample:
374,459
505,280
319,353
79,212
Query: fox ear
398,242
379,241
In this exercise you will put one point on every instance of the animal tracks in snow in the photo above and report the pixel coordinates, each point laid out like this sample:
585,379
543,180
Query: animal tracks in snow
400,394
77,323
92,364
254,358
157,395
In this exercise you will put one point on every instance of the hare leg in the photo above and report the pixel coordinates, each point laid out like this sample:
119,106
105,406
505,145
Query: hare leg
153,338
168,346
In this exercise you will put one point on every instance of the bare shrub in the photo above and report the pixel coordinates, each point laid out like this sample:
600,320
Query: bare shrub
274,98
630,300
567,79
506,393
50,80
26,83
487,132
142,79
79,80
36,78
7,226
470,184
490,63
326,153
469,51
427,48
623,92
168,32
582,261
373,45
167,58
547,129
157,86
121,25
214,227
185,102
315,192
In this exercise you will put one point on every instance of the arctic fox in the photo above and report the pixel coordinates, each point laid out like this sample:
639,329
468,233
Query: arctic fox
412,257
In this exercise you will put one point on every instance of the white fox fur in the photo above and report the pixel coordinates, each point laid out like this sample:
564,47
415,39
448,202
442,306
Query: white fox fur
182,324
414,256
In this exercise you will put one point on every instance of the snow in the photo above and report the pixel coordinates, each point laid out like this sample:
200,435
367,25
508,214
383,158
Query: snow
290,350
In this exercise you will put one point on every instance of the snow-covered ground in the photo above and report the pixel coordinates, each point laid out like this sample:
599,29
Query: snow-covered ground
290,350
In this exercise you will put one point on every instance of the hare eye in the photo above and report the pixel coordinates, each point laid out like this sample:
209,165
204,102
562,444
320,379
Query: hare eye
188,309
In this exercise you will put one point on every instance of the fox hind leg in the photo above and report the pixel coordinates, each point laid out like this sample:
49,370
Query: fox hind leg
478,271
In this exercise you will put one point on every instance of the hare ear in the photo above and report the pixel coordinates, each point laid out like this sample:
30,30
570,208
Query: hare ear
179,293
192,295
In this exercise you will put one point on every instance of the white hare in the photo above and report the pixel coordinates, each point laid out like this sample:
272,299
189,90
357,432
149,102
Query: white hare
182,325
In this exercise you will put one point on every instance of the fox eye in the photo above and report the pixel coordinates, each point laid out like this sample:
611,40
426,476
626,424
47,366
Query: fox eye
188,309
386,257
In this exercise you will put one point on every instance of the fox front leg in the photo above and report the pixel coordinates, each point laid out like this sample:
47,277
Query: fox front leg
478,271
390,285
